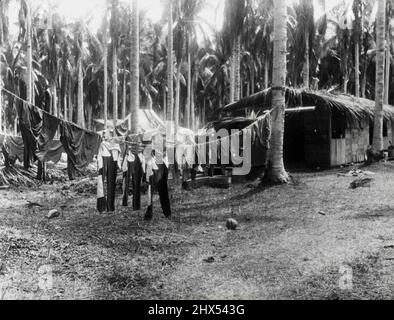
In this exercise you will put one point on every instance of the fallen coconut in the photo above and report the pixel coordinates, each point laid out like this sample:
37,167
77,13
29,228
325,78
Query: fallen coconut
231,224
53,214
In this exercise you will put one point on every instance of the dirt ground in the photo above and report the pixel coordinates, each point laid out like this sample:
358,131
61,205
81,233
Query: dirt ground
293,242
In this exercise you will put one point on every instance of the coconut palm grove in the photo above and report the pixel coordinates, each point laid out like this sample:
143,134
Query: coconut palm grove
196,150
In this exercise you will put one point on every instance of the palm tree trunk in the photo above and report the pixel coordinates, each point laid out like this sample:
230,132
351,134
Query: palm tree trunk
80,113
377,144
115,100
357,69
135,69
70,101
252,81
189,86
29,55
1,78
54,100
237,69
363,85
1,84
232,77
164,103
306,74
266,73
276,172
363,55
178,96
170,66
65,100
387,75
203,114
29,98
124,95
105,57
89,115
194,95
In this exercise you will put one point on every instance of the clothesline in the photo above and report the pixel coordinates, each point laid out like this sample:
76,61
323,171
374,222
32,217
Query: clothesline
133,143
32,105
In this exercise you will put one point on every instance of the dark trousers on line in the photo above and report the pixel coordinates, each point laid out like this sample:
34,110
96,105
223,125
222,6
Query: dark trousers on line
110,171
126,184
160,180
137,181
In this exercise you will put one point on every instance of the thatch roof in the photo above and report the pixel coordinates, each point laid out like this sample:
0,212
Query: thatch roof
354,109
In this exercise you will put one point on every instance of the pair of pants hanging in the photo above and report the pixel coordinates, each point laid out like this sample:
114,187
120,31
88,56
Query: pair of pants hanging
107,185
137,173
126,183
159,180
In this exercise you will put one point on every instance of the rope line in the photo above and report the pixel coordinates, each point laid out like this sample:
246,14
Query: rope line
32,105
267,113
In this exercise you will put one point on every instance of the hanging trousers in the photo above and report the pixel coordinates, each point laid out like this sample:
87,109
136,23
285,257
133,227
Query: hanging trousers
160,180
126,184
137,174
110,171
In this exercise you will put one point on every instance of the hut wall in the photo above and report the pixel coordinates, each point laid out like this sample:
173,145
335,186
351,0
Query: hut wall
357,141
317,138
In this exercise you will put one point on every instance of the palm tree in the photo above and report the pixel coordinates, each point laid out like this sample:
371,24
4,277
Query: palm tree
29,53
134,68
236,12
170,65
377,145
3,37
276,172
306,25
115,39
389,30
105,62
79,31
193,25
357,33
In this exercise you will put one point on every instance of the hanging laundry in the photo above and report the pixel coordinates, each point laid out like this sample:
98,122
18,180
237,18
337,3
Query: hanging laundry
137,167
137,172
80,145
157,175
30,124
53,152
47,149
107,159
13,148
127,168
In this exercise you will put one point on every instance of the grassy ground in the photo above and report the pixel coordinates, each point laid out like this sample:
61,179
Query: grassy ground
292,243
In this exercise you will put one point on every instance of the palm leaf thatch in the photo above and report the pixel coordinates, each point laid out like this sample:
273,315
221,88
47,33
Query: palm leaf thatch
352,108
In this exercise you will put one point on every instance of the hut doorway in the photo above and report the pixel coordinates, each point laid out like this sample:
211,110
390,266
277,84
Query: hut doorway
294,140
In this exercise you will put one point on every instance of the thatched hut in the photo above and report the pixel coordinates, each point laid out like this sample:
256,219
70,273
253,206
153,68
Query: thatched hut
337,131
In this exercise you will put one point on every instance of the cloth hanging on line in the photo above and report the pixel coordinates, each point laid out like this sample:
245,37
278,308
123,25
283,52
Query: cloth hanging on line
14,148
47,148
157,175
30,124
137,172
80,145
52,152
107,161
127,168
